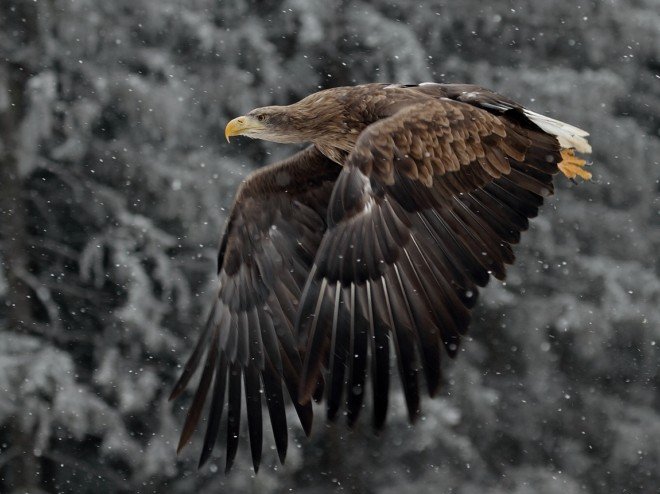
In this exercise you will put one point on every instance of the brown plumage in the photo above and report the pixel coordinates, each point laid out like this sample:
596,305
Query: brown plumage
374,238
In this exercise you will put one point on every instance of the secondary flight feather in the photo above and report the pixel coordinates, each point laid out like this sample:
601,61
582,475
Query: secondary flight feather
367,247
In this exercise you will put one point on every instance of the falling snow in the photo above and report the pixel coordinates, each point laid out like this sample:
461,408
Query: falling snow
114,183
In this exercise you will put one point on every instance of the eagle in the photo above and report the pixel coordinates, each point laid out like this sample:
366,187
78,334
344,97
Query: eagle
367,247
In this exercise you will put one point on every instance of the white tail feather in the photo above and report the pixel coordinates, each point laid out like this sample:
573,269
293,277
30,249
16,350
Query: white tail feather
567,135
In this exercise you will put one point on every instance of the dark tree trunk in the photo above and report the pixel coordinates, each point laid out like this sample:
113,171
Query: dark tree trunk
22,471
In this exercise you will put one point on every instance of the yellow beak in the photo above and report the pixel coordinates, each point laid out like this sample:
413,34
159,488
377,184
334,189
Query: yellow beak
241,125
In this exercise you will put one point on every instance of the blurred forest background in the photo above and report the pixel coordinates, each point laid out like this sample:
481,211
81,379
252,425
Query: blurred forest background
114,183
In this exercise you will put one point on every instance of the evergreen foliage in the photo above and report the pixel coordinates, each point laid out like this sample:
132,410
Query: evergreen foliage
115,176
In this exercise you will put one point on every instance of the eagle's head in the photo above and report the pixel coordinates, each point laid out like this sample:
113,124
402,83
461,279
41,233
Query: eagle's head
317,118
270,123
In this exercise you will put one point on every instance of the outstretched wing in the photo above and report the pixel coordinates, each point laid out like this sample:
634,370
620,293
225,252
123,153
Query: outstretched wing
426,208
270,241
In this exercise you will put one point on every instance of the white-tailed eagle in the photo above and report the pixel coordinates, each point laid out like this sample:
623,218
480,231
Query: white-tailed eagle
371,241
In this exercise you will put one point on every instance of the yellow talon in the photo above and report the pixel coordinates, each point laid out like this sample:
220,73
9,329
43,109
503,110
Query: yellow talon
572,166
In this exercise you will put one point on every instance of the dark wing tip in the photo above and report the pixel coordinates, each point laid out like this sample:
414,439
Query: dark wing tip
176,391
233,414
194,413
253,403
378,421
204,457
305,415
193,361
215,414
182,444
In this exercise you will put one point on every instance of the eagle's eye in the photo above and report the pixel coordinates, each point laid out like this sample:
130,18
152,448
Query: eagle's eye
261,118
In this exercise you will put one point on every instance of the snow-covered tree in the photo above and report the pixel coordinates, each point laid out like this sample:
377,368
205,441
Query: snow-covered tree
114,176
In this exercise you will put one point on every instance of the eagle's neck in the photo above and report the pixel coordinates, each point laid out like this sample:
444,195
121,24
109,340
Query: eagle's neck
337,139
329,125
336,154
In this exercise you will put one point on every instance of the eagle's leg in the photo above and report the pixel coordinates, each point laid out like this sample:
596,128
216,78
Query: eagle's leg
572,166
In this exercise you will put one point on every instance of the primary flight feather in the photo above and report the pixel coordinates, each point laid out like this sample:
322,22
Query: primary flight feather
372,240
